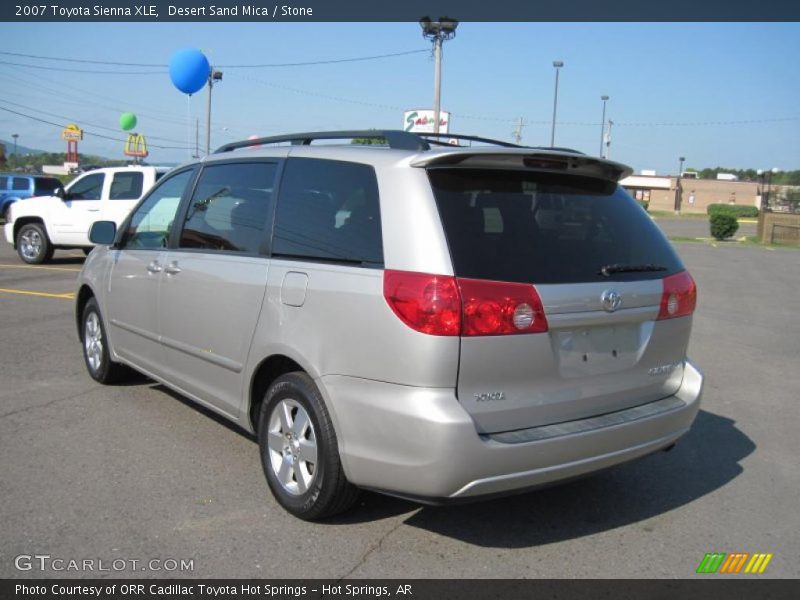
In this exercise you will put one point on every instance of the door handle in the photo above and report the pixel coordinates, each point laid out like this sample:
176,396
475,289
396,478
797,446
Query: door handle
154,267
93,209
172,269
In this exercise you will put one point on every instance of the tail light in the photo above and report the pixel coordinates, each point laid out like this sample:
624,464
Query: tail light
444,305
679,296
499,308
426,303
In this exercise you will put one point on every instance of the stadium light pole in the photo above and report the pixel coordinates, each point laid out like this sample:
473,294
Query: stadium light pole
557,64
214,75
603,124
438,32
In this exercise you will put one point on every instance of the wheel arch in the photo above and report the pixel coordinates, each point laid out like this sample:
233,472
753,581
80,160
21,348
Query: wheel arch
267,371
85,293
22,221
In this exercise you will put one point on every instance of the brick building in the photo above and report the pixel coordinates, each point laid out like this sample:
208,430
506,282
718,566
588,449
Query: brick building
697,193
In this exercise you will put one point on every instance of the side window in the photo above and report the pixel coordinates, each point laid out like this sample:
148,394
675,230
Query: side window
230,207
21,183
151,223
329,210
127,186
3,183
89,187
45,186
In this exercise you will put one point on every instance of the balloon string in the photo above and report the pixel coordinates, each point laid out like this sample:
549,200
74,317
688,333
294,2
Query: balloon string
189,126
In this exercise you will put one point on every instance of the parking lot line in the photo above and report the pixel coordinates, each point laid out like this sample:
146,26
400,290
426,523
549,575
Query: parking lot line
64,296
7,266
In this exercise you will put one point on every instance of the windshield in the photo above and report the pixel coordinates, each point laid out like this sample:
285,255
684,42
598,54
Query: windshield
527,226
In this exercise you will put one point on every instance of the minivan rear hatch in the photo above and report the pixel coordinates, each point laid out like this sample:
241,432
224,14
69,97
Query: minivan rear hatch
599,265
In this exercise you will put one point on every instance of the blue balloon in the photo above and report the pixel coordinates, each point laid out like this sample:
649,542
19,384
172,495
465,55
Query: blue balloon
189,70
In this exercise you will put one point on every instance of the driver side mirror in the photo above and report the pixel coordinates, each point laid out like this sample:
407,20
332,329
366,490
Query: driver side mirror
103,233
60,192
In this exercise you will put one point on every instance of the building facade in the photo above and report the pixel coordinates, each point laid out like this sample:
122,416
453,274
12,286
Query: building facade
697,194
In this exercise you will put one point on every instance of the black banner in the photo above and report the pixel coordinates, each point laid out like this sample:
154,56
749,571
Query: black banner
413,589
269,11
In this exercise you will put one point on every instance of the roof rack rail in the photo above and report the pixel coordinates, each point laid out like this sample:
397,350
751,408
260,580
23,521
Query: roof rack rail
396,139
470,138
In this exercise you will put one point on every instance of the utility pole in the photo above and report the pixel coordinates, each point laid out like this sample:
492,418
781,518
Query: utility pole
438,32
518,131
15,136
608,139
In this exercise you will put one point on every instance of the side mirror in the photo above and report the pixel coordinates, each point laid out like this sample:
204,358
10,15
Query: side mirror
59,192
103,233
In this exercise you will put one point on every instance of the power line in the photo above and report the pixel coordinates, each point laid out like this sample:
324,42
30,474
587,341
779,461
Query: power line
92,133
250,66
46,68
80,60
324,62
44,112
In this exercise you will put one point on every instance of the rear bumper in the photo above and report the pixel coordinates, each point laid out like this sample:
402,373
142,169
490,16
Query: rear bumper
420,442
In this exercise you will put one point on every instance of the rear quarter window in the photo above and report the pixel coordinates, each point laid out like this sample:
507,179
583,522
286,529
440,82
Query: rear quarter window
535,227
329,211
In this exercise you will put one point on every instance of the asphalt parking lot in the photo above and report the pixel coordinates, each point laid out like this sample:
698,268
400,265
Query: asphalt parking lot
136,473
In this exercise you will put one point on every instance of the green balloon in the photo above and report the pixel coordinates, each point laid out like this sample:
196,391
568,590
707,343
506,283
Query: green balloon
127,121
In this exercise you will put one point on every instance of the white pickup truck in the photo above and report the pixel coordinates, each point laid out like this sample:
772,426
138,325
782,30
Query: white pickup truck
37,226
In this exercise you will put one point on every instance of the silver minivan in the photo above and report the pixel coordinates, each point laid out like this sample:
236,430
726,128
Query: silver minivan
430,321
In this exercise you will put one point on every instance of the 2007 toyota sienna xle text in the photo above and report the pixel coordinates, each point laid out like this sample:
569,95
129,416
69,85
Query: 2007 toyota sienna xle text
431,321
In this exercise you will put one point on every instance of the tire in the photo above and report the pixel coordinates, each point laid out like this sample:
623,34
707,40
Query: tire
95,347
299,451
33,245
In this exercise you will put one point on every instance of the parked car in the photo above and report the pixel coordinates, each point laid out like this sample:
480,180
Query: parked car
437,323
38,226
18,186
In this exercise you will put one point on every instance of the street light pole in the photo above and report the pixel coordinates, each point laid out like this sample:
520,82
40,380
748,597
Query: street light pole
213,76
438,32
603,124
557,64
15,136
678,189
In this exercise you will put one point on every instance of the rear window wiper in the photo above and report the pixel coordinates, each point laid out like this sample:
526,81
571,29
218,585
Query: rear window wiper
607,270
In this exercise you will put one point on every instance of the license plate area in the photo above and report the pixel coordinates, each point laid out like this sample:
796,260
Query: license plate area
598,350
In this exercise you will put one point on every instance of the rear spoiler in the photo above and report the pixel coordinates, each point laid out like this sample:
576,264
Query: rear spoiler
540,160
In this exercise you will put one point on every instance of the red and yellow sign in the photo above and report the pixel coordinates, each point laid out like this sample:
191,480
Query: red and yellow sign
72,133
136,145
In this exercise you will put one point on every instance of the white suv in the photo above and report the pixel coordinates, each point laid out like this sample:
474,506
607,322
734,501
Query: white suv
36,228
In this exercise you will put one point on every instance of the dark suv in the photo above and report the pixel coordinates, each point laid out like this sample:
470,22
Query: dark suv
14,186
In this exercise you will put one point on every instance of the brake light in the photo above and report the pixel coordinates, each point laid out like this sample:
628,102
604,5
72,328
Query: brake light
679,296
445,305
426,303
500,308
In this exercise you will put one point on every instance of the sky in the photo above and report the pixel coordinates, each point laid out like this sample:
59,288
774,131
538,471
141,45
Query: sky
719,94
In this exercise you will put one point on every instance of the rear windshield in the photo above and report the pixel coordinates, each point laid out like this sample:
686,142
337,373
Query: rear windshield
45,186
526,226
